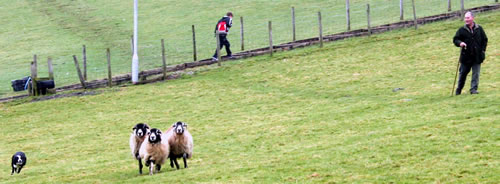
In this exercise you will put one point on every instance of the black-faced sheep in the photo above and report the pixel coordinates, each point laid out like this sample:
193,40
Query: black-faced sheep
18,162
180,142
138,135
155,150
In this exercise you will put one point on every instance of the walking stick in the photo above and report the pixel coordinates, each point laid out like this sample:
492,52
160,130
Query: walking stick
456,73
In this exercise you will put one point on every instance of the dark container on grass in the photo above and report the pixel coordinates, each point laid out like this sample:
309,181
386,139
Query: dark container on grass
21,84
43,85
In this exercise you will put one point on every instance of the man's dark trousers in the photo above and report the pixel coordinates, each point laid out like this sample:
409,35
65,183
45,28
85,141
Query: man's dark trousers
223,42
464,70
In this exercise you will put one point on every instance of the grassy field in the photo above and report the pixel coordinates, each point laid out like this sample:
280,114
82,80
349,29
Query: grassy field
59,28
313,115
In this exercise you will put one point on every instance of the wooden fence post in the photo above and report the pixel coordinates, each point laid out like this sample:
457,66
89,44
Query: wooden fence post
51,69
348,15
368,18
270,38
36,65
108,57
242,34
194,44
414,14
462,8
218,48
164,62
320,30
34,75
293,23
242,31
33,91
449,5
79,72
401,10
84,62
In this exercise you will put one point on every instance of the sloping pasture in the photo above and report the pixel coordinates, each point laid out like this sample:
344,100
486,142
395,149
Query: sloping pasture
312,115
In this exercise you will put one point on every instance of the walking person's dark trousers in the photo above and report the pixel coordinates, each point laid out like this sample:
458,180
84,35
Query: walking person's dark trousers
223,42
464,70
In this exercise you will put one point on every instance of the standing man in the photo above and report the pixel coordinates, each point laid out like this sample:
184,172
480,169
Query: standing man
223,28
473,41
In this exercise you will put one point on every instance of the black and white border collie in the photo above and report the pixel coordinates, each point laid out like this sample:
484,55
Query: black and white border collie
18,162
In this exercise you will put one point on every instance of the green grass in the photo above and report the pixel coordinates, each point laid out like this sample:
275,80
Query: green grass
313,115
59,28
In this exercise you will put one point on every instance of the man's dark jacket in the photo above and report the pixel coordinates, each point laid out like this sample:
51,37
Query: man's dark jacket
476,41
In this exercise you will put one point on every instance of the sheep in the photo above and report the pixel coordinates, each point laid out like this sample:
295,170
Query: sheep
181,143
155,150
18,162
138,135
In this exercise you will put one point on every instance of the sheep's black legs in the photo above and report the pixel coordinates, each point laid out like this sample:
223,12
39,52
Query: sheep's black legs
140,166
158,167
176,163
146,162
171,162
184,157
137,156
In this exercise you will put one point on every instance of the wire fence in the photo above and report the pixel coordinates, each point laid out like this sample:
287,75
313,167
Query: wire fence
179,47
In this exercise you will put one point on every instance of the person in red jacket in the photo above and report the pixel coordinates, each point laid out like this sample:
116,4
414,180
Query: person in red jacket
223,28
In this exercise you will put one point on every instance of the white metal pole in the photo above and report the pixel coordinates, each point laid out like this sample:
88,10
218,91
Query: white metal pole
135,58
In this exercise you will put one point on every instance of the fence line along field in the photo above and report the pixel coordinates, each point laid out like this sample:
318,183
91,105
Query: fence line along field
147,76
311,115
59,29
